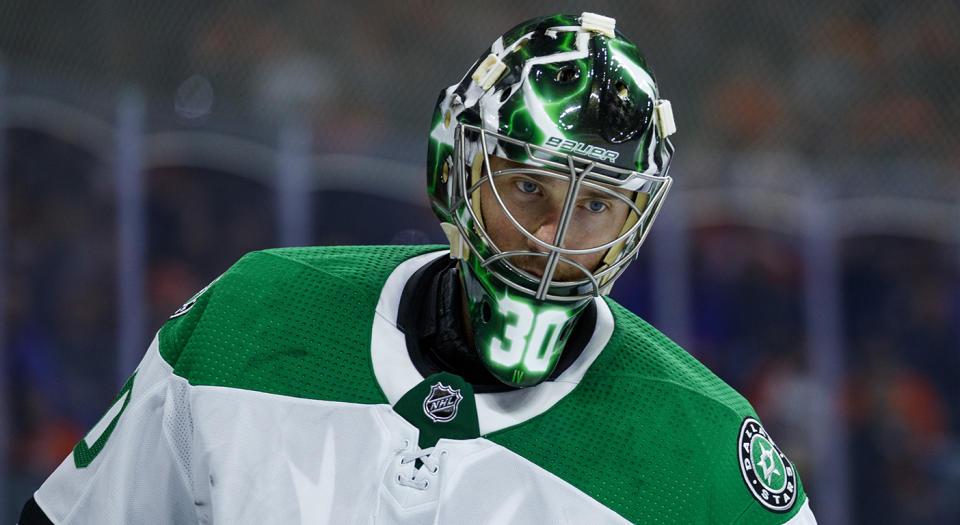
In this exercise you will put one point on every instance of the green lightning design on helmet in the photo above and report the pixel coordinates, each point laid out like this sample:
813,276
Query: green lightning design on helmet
571,98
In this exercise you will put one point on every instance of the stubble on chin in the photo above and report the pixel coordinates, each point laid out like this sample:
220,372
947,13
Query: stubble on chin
535,265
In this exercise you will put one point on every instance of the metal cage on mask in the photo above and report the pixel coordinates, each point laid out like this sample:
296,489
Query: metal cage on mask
472,149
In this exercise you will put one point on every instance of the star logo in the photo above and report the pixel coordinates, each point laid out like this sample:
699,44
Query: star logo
767,462
766,470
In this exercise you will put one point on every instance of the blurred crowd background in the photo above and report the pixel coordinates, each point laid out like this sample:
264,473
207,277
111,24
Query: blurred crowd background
808,253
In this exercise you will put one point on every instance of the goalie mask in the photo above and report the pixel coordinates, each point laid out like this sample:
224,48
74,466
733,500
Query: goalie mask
558,136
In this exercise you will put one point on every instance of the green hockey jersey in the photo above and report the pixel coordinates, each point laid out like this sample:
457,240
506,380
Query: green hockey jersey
284,393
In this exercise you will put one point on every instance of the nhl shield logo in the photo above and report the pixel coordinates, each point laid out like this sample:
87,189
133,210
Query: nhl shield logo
441,403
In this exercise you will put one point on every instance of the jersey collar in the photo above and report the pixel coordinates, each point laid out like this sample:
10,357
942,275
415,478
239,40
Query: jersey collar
396,373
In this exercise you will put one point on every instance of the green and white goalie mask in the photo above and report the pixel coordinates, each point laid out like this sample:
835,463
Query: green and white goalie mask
547,164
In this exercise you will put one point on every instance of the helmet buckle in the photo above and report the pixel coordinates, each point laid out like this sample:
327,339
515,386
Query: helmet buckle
489,71
595,23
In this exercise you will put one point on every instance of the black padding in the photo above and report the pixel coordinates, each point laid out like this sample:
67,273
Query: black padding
33,515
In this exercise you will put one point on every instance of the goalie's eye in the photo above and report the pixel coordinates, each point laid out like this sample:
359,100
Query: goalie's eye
596,206
527,186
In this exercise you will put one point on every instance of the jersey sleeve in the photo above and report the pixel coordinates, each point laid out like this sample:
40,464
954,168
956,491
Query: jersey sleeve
770,478
133,465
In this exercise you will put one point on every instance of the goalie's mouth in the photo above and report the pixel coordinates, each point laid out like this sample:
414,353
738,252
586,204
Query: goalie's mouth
562,274
533,270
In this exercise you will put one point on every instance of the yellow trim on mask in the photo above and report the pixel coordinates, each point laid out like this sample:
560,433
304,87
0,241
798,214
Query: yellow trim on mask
611,256
614,251
476,170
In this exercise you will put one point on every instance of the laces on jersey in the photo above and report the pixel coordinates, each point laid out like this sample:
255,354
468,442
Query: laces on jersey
418,466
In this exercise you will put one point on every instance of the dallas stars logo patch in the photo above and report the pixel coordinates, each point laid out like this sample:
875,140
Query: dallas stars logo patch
767,472
441,403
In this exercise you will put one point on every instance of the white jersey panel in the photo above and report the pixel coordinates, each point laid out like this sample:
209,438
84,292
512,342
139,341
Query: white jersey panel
495,485
263,458
804,516
135,477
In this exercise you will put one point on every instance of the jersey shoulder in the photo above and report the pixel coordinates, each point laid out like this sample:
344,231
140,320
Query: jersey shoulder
639,353
653,434
290,321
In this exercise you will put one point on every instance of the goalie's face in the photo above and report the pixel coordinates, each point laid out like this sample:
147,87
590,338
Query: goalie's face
536,202
545,233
